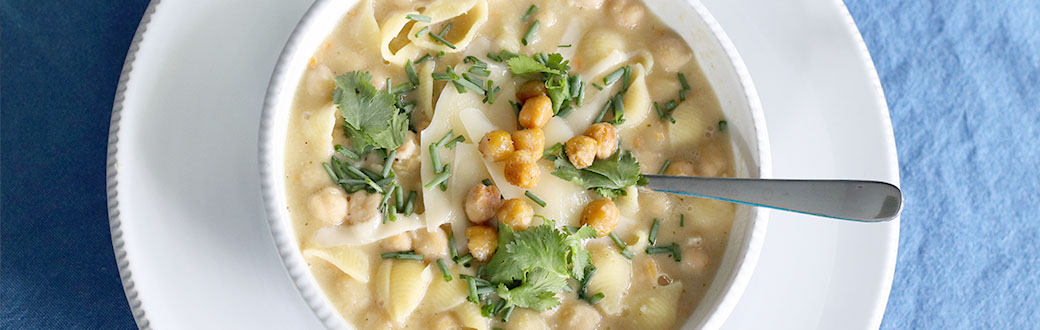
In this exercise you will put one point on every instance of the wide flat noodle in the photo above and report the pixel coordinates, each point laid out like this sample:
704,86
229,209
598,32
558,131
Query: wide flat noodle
467,16
364,233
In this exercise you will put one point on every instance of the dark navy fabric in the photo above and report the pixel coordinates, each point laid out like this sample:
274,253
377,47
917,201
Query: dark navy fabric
962,79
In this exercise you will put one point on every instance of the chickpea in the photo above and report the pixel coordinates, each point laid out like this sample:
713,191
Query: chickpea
532,139
364,207
521,169
606,139
628,13
515,213
496,145
482,241
671,52
432,243
711,160
581,151
399,242
531,88
536,112
482,202
602,215
681,168
695,260
329,205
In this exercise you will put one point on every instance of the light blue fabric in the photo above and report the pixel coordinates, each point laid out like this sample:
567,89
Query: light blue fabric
962,80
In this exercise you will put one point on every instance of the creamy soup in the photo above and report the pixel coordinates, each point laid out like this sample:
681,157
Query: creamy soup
476,164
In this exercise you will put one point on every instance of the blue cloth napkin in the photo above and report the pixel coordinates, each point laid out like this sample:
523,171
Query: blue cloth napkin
962,81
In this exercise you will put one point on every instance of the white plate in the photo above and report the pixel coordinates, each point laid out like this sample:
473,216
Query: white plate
188,226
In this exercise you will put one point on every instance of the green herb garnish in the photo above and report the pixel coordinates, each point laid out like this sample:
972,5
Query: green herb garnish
534,198
653,232
530,12
608,177
667,162
531,31
444,270
406,255
418,18
372,117
722,125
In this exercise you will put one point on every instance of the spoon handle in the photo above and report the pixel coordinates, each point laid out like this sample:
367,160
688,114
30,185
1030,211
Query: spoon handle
870,201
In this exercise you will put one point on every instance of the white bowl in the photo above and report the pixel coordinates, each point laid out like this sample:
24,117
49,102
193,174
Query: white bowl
714,52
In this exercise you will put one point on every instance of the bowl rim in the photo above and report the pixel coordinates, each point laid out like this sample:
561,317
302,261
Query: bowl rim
292,258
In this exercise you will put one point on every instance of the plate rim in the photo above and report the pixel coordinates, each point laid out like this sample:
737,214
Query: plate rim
112,184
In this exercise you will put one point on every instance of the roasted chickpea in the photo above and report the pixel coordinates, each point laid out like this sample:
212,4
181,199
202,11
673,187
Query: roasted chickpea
532,88
482,241
496,145
602,215
532,139
431,243
681,168
606,139
521,170
399,242
482,202
515,213
536,112
581,151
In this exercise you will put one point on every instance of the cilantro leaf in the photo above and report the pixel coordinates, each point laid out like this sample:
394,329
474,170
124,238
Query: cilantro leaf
532,265
608,177
538,291
371,116
525,65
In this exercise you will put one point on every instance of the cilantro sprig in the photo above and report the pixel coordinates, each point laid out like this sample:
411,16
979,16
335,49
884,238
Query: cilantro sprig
608,177
372,117
565,90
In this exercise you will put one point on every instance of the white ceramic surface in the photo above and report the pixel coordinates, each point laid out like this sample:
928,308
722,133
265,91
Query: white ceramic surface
186,215
718,59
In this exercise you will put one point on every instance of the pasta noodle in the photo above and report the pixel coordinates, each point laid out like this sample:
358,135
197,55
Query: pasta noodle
467,15
408,282
613,277
637,99
656,308
469,316
348,259
389,33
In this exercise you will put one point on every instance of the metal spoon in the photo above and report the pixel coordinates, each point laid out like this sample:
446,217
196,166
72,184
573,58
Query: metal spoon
869,201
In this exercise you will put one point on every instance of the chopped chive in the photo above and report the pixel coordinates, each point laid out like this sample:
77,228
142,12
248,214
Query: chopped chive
620,244
530,33
682,81
489,98
399,197
421,31
452,250
354,172
487,182
619,109
494,57
564,46
468,83
530,11
328,169
347,152
603,112
574,83
507,312
437,180
542,58
435,158
676,252
597,86
426,57
402,88
406,255
457,139
506,55
389,164
410,204
472,286
476,81
498,306
393,213
626,78
568,288
418,18
565,108
628,254
596,298
486,310
658,249
516,107
682,95
441,53
671,105
664,167
374,186
613,77
581,93
441,40
444,139
534,198
444,270
653,231
465,260
722,125
682,220
409,69
483,72
389,86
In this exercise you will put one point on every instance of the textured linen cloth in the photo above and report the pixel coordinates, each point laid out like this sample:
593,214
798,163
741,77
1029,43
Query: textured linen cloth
962,80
